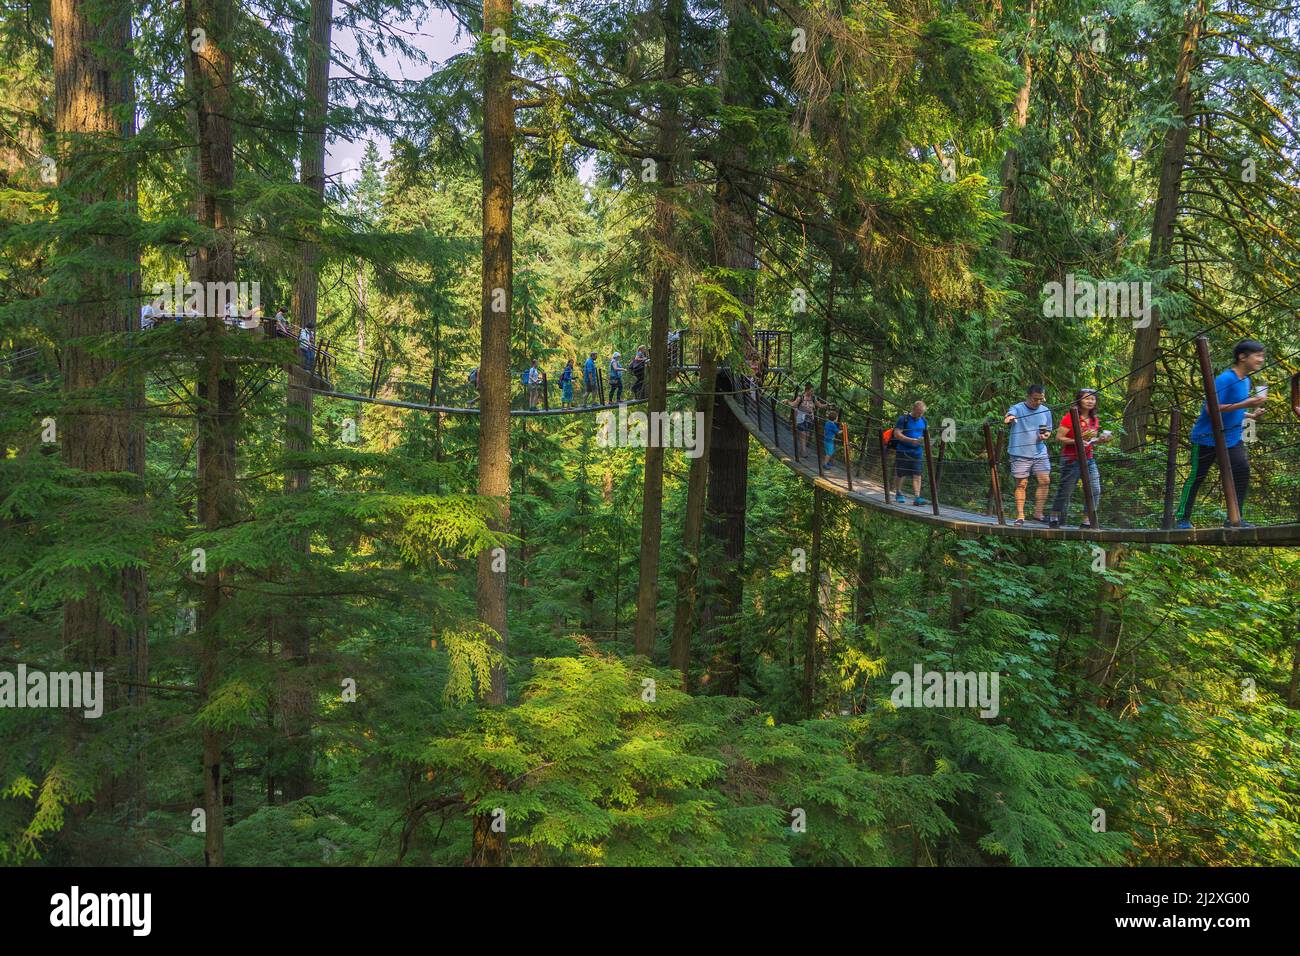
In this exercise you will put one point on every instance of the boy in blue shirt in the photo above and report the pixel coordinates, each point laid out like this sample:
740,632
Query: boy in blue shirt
830,432
1233,390
909,436
1031,425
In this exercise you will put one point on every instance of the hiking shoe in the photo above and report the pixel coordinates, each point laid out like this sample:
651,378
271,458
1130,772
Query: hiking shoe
1184,526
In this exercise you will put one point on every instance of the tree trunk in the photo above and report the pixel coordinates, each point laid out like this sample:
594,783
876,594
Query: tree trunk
811,642
210,67
1146,341
99,431
494,357
688,576
1100,662
647,598
1010,173
295,696
728,474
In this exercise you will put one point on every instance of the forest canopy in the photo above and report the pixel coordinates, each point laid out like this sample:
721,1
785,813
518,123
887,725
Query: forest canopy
548,488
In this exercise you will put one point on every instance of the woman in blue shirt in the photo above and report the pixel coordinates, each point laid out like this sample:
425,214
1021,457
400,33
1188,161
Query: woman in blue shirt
566,386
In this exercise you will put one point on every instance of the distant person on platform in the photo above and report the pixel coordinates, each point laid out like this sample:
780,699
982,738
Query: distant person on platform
306,345
616,371
590,381
282,323
909,441
566,385
1233,390
1031,426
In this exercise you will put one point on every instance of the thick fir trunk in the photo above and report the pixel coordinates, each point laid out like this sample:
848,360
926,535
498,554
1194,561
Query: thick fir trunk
811,645
295,695
494,358
688,576
734,249
647,598
728,474
98,429
210,68
1146,341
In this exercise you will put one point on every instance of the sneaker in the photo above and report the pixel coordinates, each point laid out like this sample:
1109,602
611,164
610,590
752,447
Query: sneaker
1020,522
920,501
1184,526
900,499
1041,519
1085,525
1244,524
1053,522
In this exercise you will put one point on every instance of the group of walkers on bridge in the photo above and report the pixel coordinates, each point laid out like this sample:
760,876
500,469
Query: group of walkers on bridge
602,382
1032,428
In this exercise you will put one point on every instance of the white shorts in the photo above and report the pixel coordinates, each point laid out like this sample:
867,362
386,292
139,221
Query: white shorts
1022,467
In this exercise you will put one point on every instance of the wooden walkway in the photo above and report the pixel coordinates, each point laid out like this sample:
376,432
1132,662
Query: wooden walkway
473,410
869,494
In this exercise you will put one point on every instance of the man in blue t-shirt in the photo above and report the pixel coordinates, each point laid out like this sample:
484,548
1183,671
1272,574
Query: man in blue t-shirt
590,382
1031,425
1232,388
909,439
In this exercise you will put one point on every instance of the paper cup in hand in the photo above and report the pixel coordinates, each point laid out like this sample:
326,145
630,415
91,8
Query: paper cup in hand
1261,391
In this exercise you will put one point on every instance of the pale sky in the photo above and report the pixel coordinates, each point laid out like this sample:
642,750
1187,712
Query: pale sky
437,38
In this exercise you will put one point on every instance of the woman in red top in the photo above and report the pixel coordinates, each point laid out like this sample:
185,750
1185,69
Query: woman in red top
1086,399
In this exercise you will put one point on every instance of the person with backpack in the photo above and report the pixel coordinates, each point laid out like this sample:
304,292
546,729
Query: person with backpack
616,371
907,438
1090,434
830,432
1233,390
805,406
590,381
1031,426
637,368
566,385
